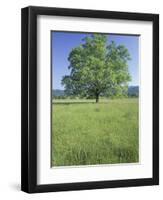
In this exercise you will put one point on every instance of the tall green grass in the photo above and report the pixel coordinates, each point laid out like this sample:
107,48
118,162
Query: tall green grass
86,133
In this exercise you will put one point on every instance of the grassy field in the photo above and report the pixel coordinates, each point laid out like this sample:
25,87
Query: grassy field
86,133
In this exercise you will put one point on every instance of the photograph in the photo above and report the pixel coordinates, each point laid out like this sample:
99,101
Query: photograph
95,98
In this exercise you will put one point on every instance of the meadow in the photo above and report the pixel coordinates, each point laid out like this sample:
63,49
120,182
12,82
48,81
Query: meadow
88,133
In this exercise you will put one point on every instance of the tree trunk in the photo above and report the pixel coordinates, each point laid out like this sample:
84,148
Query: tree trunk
97,98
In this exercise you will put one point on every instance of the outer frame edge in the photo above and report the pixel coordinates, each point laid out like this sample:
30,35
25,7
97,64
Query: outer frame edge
24,99
28,182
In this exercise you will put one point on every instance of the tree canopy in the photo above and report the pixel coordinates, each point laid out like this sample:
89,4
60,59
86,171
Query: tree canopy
97,68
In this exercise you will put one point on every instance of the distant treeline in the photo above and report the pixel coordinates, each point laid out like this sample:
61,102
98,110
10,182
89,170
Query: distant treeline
133,91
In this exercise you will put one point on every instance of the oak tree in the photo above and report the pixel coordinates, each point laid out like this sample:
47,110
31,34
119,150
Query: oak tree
97,68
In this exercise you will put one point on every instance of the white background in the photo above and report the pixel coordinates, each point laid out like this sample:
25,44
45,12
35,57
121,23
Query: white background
10,41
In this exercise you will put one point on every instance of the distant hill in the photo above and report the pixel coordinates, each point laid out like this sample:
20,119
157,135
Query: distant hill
133,91
58,93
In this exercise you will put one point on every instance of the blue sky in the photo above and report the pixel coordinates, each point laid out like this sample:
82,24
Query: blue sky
63,42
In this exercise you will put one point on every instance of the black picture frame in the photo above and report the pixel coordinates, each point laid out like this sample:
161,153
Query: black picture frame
29,99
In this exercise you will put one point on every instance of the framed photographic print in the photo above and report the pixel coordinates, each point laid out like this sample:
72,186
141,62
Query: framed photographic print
90,99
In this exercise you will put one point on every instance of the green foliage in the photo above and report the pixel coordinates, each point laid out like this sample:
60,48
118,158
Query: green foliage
97,69
85,133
